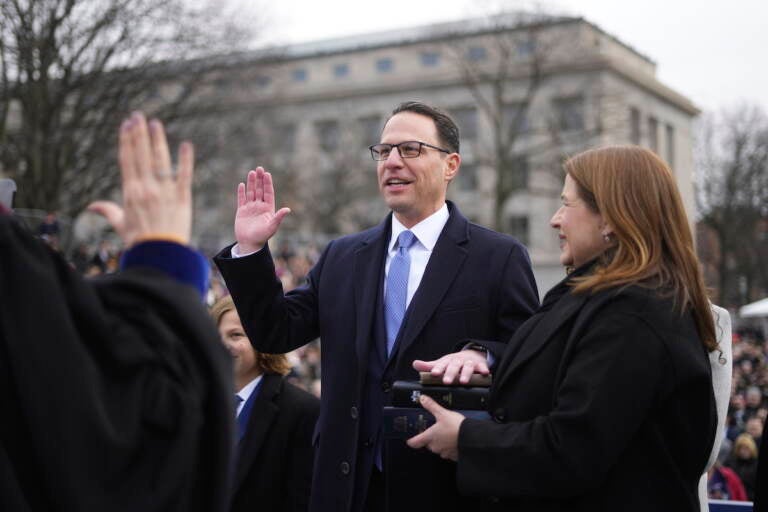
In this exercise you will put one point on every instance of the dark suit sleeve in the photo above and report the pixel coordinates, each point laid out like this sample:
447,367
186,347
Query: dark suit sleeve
275,322
303,455
518,294
607,391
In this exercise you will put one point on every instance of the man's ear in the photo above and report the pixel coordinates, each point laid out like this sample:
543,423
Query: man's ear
452,164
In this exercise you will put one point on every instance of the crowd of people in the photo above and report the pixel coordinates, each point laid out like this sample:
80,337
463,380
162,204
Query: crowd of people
734,475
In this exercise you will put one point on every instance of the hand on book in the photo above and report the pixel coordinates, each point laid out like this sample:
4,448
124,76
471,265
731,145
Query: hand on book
441,438
456,366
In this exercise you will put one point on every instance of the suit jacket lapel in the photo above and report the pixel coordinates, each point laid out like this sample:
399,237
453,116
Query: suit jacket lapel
444,264
367,272
568,305
262,415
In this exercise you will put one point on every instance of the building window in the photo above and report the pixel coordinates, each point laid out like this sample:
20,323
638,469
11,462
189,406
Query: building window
515,119
327,133
285,137
670,133
517,226
370,130
518,172
299,75
263,80
526,48
634,126
466,180
653,134
570,113
341,70
475,53
466,120
430,59
384,65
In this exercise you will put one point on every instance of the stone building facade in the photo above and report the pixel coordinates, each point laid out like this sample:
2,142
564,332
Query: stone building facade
534,90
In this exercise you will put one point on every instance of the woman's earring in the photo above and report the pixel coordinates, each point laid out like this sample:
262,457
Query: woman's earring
607,238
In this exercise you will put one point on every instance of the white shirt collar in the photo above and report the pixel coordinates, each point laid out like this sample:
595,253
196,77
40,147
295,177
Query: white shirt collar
245,393
427,231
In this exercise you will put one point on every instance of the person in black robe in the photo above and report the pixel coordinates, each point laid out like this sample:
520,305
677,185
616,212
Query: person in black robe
115,391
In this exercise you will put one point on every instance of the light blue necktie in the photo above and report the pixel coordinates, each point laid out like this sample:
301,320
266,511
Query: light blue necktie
396,293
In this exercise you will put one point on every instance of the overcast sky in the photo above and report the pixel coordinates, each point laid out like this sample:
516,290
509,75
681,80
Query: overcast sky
713,52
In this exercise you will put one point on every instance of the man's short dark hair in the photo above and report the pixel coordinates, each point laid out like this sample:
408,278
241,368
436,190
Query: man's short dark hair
447,131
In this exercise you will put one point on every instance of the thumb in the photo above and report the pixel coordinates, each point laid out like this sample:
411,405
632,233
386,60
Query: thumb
110,211
423,366
280,215
431,406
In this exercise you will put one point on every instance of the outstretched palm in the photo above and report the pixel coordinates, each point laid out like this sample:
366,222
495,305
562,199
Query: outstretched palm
256,220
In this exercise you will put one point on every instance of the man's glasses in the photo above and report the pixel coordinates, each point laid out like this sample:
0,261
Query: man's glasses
407,149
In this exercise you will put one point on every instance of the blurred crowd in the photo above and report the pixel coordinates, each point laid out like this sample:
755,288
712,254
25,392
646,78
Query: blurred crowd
733,476
736,469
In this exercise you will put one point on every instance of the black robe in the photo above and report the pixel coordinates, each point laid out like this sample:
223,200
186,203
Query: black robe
115,393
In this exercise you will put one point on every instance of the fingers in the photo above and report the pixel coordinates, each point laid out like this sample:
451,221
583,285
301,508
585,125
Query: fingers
160,155
268,189
141,145
125,153
250,185
433,407
110,211
280,215
421,440
423,366
240,194
186,168
467,369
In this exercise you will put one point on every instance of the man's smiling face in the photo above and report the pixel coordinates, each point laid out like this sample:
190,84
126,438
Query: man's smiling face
414,188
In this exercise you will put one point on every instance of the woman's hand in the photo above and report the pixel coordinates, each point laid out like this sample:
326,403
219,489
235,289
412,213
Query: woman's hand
458,364
441,438
157,204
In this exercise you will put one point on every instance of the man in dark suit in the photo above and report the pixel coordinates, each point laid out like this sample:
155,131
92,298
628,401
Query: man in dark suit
275,421
412,287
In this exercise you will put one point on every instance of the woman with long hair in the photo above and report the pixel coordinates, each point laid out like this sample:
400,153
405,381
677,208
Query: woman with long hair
603,399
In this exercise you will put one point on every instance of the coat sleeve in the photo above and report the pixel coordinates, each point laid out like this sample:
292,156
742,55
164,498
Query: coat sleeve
276,322
519,296
607,390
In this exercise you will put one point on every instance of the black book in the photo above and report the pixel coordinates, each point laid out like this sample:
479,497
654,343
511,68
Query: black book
406,394
406,422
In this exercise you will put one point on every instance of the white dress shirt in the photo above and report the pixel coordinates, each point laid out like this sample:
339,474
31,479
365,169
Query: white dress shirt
426,232
246,393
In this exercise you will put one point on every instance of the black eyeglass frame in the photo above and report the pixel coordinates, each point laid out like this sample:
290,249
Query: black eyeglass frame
392,146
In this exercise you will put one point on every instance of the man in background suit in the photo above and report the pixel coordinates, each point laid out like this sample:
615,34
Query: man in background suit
275,421
456,279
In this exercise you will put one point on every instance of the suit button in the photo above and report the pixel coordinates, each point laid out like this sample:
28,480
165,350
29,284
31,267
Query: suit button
386,386
499,415
353,412
368,442
344,468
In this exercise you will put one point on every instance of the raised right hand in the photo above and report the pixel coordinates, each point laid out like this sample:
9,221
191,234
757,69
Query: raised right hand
256,220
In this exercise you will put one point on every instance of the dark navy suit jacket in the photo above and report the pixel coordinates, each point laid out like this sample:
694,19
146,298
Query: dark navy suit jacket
477,284
275,456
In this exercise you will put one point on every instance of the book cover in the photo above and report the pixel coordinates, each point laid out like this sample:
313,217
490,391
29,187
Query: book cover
406,422
407,393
